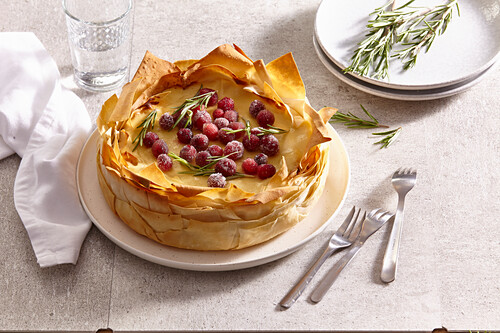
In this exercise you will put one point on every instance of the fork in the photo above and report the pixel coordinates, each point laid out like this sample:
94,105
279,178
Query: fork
342,238
403,181
375,219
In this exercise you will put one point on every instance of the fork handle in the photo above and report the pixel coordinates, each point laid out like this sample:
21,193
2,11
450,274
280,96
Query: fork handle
334,272
390,263
297,290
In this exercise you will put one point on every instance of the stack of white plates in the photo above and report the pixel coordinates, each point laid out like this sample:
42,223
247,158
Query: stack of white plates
456,61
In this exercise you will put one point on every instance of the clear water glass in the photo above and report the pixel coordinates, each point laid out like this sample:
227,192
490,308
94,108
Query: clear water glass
100,40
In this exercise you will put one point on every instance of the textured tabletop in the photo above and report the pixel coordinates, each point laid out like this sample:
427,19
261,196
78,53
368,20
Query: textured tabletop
449,264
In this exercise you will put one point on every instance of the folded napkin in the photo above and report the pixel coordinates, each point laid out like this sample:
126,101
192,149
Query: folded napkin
46,125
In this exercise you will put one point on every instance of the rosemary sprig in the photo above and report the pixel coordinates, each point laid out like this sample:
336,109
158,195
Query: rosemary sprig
352,121
196,170
423,37
414,27
182,161
186,108
148,122
262,131
390,137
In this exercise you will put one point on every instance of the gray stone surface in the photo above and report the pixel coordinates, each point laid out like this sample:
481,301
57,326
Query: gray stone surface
449,264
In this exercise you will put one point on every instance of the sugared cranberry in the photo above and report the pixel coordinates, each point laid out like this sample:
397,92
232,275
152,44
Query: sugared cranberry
164,162
226,166
269,145
159,147
249,166
265,118
215,150
255,107
202,158
251,143
201,118
166,121
225,136
226,103
199,142
221,122
198,109
218,113
234,150
237,126
231,115
188,153
213,100
216,180
211,131
266,171
184,135
149,139
261,158
256,131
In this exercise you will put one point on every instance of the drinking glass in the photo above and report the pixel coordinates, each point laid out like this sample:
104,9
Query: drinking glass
100,40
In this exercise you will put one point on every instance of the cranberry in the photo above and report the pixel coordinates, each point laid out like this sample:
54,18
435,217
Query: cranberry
198,109
202,158
218,113
216,180
261,158
159,147
234,150
251,143
269,145
266,171
164,162
149,139
231,115
213,100
255,107
237,126
201,118
225,136
166,121
211,131
265,118
184,135
221,122
226,103
226,166
215,150
188,153
256,131
199,142
249,166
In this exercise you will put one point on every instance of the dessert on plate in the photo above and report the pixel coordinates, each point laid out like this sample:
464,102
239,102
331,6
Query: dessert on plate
219,153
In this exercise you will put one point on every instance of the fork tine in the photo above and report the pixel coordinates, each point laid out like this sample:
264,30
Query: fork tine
347,221
352,223
356,230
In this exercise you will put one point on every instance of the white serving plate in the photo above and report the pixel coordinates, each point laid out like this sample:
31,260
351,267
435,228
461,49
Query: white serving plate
470,45
110,225
397,94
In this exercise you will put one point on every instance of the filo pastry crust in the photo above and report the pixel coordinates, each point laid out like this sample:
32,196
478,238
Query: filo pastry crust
179,210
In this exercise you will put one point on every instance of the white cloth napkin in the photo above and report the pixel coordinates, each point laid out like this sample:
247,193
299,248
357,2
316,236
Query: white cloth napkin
46,125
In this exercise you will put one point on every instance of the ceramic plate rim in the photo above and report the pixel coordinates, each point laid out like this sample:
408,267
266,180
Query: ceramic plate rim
396,94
